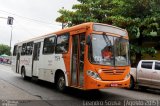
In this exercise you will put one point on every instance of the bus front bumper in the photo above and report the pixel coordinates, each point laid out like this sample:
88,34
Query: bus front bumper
98,84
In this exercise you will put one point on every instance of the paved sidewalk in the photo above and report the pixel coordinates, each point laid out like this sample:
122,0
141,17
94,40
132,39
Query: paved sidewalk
6,67
10,92
5,64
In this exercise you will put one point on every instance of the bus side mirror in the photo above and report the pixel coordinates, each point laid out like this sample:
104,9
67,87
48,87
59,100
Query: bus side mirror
88,40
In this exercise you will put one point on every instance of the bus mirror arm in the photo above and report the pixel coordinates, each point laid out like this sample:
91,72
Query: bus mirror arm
88,40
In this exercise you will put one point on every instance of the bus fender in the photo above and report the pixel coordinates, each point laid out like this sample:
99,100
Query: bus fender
57,72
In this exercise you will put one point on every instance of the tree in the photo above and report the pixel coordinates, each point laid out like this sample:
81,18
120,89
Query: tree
139,17
88,10
4,49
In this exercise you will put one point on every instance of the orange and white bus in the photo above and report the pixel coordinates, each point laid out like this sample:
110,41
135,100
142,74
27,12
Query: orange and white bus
75,57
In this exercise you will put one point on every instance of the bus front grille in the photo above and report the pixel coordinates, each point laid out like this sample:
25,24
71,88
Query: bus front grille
113,72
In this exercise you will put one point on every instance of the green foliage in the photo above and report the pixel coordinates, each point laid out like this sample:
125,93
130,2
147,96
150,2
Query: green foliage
4,49
139,17
141,50
89,10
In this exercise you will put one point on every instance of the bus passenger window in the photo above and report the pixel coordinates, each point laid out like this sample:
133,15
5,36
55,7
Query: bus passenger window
49,45
23,49
62,43
29,48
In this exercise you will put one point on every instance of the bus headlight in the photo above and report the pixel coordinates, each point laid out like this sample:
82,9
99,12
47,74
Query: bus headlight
93,75
127,76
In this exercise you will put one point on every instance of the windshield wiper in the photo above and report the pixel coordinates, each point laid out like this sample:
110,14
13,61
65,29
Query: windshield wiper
108,42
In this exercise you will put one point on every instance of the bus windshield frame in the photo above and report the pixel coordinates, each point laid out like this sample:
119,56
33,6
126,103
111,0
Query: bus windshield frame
109,29
109,50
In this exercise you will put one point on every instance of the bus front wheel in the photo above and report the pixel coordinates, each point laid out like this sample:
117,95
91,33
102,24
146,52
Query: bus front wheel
60,83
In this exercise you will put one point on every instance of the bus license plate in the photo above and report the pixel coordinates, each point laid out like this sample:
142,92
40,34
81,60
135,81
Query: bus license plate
114,85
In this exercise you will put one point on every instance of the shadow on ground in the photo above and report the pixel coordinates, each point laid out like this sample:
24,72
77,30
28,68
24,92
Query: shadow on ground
79,94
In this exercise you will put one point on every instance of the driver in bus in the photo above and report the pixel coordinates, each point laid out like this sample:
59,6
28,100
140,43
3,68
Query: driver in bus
106,52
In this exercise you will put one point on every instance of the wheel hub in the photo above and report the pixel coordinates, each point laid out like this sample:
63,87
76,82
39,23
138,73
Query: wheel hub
61,82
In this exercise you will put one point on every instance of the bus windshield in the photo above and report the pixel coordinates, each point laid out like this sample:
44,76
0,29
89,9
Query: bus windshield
109,50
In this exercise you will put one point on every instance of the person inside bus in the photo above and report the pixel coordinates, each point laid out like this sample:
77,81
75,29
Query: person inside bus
106,52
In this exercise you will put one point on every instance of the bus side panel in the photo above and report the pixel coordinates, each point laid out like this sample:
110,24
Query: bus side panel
46,67
49,64
60,64
26,61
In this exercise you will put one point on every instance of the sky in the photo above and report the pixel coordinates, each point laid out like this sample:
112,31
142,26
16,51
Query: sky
32,18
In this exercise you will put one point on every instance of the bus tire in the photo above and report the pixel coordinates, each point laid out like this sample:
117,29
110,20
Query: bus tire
132,85
23,73
60,82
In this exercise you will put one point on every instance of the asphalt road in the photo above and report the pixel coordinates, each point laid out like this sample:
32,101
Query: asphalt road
14,88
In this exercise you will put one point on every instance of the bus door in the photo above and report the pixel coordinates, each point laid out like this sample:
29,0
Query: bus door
18,59
77,63
35,62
